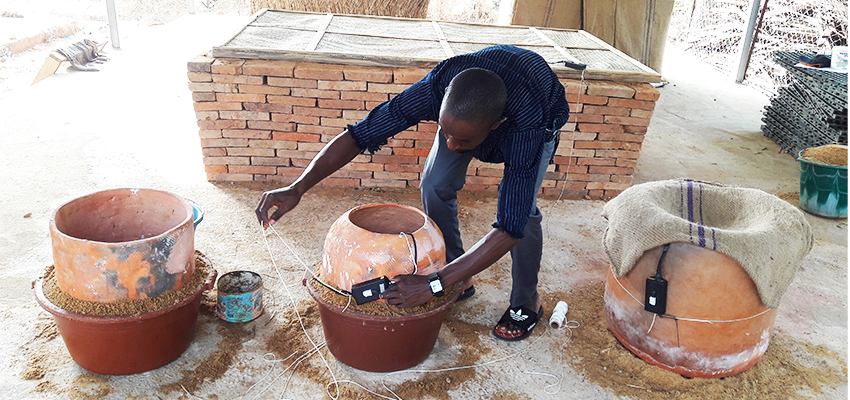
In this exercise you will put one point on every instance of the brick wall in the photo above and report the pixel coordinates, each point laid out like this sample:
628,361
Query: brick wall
264,120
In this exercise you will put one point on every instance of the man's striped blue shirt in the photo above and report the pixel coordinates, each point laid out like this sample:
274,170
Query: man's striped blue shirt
536,108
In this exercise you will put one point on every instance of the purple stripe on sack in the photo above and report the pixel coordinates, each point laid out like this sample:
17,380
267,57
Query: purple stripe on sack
691,209
713,240
701,228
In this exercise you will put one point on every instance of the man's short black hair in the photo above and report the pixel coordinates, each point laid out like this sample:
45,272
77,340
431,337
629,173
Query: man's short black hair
476,95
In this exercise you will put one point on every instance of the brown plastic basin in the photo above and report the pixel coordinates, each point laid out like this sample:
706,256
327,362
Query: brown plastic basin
380,343
127,344
123,244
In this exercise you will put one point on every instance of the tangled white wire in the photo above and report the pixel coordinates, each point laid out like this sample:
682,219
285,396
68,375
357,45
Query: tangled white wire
295,308
335,382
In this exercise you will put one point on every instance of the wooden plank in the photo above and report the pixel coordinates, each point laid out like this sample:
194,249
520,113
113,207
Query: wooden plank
320,33
621,54
323,58
443,41
380,61
552,43
50,66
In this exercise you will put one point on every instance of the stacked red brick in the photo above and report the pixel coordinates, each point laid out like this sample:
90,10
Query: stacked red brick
265,120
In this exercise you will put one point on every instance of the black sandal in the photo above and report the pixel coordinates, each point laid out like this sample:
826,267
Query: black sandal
466,293
521,318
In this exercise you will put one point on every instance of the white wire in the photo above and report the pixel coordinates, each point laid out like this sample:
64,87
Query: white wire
569,165
652,324
306,267
292,299
683,318
272,361
294,364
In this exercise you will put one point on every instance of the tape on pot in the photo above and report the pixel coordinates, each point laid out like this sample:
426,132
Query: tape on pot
240,296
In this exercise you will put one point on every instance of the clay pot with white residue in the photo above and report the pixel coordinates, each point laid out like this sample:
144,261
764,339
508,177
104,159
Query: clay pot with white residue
377,240
123,244
721,326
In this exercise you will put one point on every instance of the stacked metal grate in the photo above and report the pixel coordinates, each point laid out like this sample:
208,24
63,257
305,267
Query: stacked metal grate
811,111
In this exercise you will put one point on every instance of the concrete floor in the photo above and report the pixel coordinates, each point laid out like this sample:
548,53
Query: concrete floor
132,125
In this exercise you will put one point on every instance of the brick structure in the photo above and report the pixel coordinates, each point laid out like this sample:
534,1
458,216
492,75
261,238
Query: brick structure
265,120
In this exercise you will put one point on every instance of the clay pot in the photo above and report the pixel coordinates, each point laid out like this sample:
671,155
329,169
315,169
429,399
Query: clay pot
702,285
127,344
380,343
377,240
122,244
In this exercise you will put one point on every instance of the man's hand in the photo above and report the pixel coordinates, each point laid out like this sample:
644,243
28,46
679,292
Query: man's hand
285,199
333,156
408,291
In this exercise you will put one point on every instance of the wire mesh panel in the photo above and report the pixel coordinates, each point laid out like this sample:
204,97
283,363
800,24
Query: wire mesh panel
272,38
811,111
384,41
490,34
548,53
379,46
569,39
293,20
394,28
600,60
713,30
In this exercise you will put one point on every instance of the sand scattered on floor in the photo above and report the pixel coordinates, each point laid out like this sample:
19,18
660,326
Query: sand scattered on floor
788,368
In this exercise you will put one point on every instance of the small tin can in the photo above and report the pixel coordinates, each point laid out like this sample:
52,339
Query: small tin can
240,296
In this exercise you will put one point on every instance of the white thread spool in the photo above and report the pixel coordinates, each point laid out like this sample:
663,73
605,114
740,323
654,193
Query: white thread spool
559,314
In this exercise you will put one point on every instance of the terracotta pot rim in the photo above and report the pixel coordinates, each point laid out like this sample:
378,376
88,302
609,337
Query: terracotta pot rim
365,206
383,318
57,311
189,220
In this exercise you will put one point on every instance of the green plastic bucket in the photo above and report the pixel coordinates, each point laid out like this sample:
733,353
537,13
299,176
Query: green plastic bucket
823,188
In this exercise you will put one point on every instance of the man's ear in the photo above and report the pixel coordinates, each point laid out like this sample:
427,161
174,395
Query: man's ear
499,122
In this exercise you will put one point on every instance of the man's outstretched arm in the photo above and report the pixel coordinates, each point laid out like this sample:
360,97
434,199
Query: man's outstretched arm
335,155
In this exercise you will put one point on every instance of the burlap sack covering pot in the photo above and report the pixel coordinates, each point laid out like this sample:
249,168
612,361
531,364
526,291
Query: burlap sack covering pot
766,235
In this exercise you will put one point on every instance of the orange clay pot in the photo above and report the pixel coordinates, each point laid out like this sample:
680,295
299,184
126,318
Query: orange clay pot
377,240
123,244
702,285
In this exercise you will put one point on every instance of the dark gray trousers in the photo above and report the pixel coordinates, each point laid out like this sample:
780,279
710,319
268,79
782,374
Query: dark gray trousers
443,176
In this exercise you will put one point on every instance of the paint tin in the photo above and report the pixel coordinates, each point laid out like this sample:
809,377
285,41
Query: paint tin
240,296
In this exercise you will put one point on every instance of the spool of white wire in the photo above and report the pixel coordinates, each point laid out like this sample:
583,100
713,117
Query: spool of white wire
559,315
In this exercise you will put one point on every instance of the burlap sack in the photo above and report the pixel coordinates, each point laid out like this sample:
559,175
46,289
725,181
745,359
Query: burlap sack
766,235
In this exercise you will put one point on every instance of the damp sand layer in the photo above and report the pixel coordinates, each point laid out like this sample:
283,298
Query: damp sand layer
831,154
203,269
